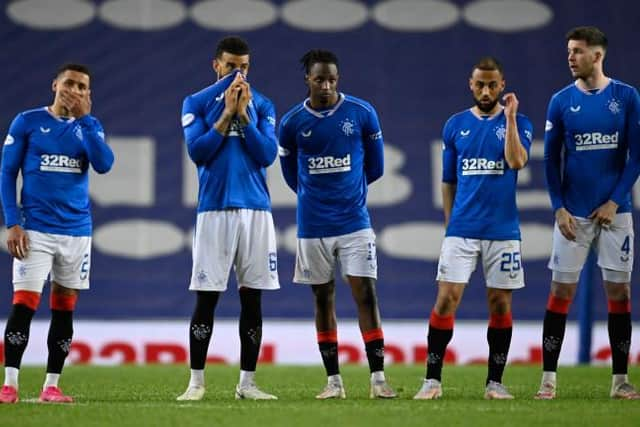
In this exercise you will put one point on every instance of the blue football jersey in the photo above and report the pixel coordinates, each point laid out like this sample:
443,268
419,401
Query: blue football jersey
53,155
328,158
592,147
231,167
484,206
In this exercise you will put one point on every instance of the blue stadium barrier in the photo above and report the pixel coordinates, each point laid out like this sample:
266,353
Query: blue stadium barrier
584,300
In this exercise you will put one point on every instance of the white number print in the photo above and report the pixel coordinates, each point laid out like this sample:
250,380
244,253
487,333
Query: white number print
84,267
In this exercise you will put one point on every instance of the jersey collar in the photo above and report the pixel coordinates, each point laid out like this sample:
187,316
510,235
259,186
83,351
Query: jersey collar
587,92
60,119
324,113
477,116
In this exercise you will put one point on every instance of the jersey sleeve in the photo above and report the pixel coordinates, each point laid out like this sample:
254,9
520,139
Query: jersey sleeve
98,151
449,154
202,142
632,167
525,130
260,137
373,147
288,153
553,144
13,151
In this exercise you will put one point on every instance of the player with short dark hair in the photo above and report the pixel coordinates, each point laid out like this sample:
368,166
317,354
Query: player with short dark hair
484,147
229,131
69,66
331,149
232,45
315,56
489,63
50,233
592,160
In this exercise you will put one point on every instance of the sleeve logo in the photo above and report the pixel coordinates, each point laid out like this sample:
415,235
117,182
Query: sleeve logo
283,152
548,126
187,119
9,140
376,136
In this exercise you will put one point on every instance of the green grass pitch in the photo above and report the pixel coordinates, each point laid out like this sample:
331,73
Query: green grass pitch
145,396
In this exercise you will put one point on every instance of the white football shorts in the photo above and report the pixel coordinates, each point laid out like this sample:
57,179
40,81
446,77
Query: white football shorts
316,259
501,262
242,238
613,244
67,258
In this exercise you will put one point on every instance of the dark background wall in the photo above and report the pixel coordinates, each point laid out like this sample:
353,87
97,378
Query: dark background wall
411,59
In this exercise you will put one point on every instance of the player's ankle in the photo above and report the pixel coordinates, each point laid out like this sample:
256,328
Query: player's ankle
618,379
51,380
247,378
549,377
11,376
335,380
197,378
377,377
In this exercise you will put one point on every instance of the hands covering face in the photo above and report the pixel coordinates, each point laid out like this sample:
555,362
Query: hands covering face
237,97
78,105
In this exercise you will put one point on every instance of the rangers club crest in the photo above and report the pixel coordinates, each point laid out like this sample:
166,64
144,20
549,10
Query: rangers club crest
614,106
347,127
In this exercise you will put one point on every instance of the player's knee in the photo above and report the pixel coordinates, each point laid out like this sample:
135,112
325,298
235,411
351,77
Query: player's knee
365,295
499,301
565,290
325,303
447,303
57,288
250,305
250,295
206,301
324,294
617,291
368,300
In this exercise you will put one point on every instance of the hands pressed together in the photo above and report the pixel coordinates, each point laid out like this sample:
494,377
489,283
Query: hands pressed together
237,97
